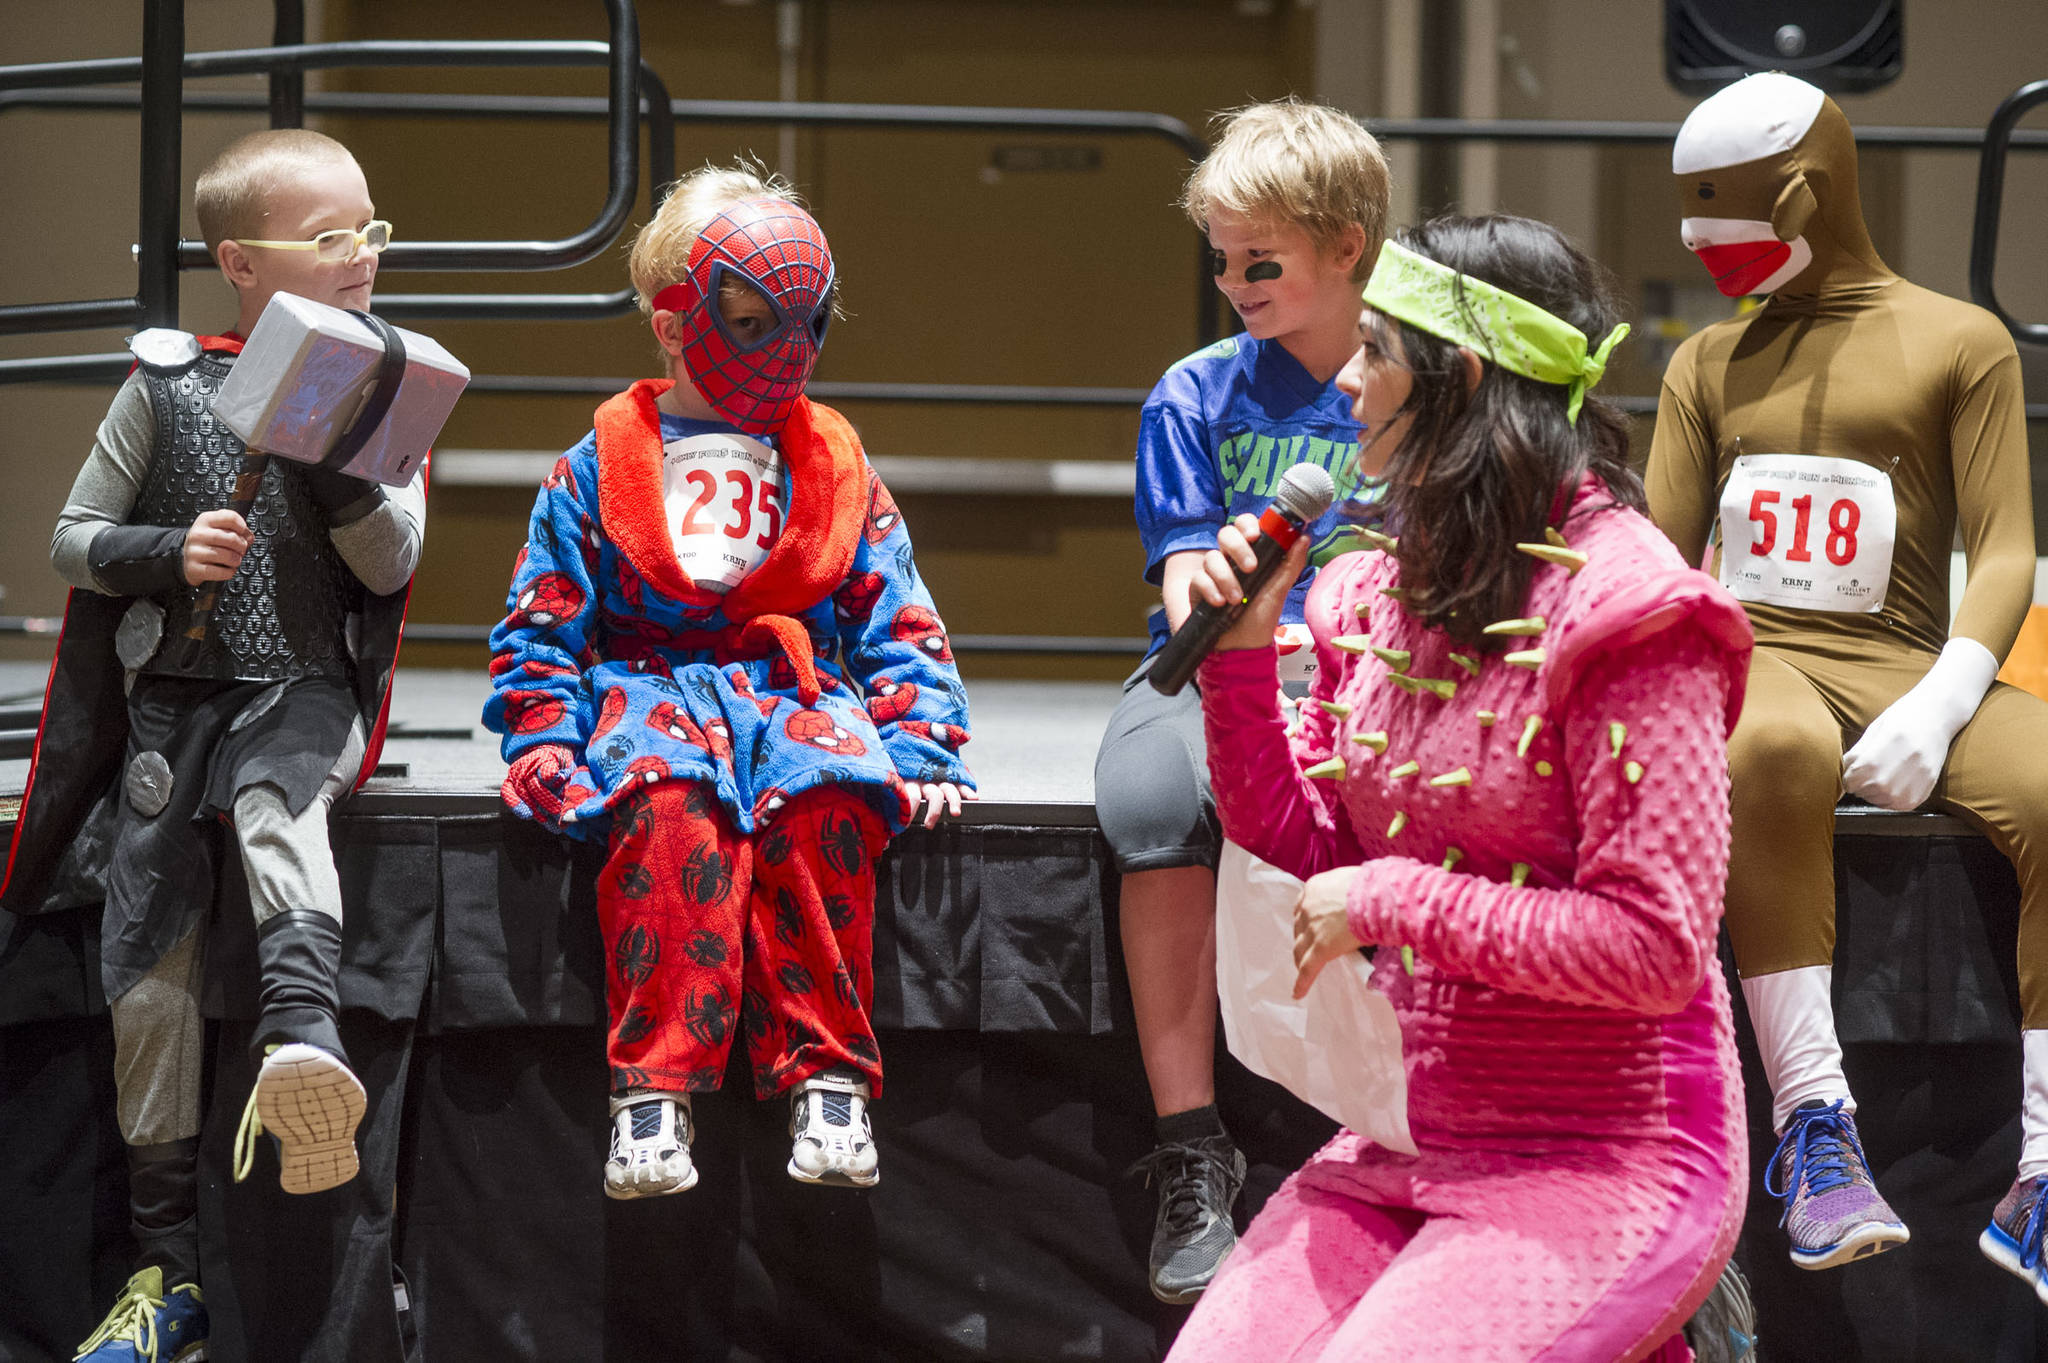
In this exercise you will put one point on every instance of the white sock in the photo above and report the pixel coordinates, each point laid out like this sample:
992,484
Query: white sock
2034,1104
1794,1018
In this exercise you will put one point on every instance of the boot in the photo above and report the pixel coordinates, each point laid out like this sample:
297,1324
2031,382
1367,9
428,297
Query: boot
163,1208
298,953
305,1094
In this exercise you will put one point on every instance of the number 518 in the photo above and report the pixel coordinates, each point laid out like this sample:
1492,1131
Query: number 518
1843,517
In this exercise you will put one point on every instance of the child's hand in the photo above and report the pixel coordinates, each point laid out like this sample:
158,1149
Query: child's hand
536,780
942,797
214,546
1216,582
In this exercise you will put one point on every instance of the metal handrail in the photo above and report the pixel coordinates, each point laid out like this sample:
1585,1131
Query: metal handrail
810,114
1617,132
598,305
1998,136
161,103
577,307
288,87
112,366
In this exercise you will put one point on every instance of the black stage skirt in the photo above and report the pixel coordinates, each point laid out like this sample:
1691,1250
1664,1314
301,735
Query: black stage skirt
193,745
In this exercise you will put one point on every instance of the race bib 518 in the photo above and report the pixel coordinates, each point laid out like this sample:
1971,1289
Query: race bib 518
722,492
1807,531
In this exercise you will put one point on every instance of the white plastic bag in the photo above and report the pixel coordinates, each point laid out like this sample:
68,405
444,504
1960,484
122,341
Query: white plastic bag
1339,1049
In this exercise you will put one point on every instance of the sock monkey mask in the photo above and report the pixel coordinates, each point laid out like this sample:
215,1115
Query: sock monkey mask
1766,173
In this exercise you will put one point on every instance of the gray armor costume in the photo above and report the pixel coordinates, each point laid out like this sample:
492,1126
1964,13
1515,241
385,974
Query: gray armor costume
282,616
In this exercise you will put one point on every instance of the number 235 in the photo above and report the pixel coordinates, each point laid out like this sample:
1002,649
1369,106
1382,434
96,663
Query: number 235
747,498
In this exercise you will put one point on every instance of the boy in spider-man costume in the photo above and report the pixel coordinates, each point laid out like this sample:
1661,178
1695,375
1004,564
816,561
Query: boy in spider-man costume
718,651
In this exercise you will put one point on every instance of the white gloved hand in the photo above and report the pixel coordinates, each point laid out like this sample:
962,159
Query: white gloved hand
1900,756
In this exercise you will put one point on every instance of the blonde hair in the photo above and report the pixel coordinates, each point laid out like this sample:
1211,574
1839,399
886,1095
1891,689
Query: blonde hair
1294,162
661,249
233,192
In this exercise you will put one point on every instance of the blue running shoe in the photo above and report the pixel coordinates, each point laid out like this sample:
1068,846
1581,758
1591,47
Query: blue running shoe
2013,1239
149,1325
1833,1211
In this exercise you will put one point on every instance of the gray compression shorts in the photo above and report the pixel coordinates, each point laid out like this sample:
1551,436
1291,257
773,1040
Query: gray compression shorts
1152,793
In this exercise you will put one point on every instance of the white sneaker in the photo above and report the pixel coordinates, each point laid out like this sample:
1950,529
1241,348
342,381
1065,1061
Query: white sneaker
831,1141
312,1103
650,1146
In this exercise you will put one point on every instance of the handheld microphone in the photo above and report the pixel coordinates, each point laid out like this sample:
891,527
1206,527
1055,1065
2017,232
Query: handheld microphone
1305,493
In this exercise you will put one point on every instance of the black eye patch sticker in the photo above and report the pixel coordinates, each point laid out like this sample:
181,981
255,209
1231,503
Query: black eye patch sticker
1217,264
1261,271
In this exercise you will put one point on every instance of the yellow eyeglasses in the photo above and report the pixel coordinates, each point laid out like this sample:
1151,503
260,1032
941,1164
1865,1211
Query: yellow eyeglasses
335,247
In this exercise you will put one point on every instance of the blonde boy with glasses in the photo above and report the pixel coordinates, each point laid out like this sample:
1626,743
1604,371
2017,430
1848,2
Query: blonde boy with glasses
262,716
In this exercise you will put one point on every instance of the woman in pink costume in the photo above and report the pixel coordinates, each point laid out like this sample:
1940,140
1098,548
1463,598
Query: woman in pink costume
1514,786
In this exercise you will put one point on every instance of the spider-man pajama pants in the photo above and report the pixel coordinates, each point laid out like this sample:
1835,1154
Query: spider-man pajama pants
710,934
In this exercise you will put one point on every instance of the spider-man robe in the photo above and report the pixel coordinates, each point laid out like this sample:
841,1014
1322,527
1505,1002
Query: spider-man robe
826,664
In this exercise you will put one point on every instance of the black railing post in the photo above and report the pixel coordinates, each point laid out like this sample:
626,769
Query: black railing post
1998,135
288,84
163,89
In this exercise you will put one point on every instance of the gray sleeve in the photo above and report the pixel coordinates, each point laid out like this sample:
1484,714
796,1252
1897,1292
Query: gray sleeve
383,547
108,484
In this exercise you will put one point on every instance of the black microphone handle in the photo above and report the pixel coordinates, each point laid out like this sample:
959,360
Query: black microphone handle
1175,663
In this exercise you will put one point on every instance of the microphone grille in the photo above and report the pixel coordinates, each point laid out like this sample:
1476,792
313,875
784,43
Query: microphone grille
1306,491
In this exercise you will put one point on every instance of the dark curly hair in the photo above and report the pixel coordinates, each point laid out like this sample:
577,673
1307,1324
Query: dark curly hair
1478,472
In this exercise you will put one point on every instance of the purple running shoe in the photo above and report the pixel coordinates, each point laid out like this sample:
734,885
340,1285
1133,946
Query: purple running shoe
1833,1211
2013,1239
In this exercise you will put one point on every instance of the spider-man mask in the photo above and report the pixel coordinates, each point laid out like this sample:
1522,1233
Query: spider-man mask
777,250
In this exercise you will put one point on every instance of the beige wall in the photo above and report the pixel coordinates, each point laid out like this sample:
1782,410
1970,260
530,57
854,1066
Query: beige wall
953,272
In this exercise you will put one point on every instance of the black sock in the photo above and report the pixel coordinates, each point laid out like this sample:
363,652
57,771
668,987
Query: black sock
1185,1128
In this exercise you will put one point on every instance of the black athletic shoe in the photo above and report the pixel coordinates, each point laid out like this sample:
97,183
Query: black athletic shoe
1197,1181
1723,1330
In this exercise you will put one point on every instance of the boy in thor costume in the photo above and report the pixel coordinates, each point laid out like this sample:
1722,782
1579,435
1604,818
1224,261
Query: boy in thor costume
266,718
1294,202
1842,434
719,655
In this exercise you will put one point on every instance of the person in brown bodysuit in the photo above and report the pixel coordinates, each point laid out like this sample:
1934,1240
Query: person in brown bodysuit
1841,433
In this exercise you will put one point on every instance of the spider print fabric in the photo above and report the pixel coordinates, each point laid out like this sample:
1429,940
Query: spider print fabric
714,938
641,686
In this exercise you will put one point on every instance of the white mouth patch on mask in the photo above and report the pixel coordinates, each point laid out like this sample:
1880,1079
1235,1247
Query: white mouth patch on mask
1719,242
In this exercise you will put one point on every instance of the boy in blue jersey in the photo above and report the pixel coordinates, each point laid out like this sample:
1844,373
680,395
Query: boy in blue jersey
1294,202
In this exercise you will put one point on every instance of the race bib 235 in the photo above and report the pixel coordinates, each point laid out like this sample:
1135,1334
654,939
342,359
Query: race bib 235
723,494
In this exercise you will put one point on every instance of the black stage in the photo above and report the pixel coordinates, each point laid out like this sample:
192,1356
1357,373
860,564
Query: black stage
1003,1228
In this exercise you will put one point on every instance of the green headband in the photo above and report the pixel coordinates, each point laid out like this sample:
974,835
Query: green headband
1512,332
